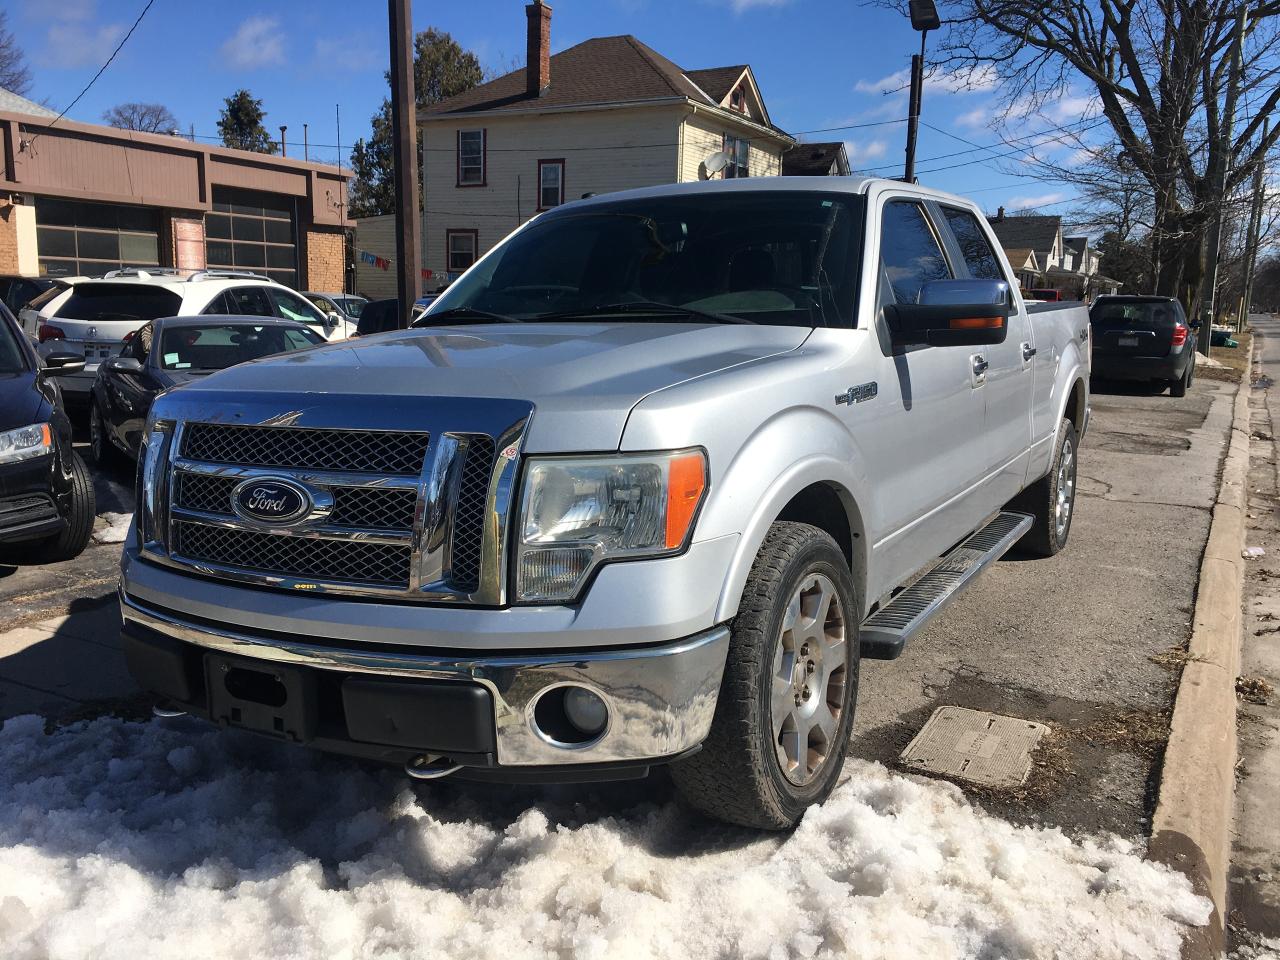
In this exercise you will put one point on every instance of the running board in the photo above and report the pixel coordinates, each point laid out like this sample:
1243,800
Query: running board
886,632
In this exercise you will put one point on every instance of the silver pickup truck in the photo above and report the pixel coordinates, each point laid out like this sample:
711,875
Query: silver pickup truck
641,488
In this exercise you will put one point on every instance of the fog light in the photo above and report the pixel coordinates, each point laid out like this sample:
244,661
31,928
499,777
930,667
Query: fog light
585,710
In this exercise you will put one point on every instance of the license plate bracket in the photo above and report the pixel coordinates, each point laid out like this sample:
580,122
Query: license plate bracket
277,700
1128,341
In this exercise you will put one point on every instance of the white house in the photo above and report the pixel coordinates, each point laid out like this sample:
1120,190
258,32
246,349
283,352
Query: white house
608,114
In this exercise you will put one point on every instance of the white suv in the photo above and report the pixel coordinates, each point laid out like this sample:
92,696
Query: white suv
96,317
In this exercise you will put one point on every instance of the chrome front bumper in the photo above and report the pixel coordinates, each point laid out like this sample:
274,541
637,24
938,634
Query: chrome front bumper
660,699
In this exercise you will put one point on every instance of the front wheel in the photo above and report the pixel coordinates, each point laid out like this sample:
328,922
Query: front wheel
70,543
1051,500
786,704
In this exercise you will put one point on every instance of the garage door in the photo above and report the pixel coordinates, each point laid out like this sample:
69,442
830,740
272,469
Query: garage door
74,238
253,231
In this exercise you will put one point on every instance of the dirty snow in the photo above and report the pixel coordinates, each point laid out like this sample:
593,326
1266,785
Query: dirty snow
112,527
123,840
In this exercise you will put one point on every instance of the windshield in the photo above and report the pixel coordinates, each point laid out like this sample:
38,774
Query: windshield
218,346
119,301
352,306
784,258
12,359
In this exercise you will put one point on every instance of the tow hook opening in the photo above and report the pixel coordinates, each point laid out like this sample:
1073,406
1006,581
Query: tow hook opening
570,716
256,687
427,767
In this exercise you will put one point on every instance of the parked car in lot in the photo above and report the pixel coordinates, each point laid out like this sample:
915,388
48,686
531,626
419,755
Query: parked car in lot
46,496
97,315
172,351
50,299
17,291
640,488
346,305
1145,339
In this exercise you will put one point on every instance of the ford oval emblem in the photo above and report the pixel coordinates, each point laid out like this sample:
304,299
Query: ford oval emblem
270,500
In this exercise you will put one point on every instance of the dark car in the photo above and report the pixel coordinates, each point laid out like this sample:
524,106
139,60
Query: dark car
1145,339
46,495
169,352
17,292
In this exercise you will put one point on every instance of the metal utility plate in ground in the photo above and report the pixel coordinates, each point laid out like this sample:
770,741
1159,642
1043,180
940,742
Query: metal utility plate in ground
975,746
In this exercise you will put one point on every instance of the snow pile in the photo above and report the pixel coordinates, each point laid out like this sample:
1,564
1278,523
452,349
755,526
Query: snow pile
125,840
113,529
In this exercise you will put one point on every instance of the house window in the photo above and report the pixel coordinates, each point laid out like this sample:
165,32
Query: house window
550,183
739,152
735,99
471,158
461,246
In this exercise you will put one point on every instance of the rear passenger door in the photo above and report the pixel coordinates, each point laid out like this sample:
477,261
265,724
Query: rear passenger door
1007,394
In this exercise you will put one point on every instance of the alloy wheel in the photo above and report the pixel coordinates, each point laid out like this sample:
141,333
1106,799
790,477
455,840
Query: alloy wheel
810,672
1066,488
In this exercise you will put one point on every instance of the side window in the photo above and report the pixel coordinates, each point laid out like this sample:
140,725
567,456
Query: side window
293,307
140,343
981,260
909,251
248,301
217,306
325,305
298,339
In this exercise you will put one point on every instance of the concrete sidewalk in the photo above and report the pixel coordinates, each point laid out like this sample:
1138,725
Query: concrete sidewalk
65,665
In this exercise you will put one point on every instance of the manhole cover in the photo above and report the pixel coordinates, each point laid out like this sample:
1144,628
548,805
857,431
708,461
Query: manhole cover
974,745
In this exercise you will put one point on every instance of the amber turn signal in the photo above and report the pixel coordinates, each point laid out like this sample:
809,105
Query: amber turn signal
685,484
977,323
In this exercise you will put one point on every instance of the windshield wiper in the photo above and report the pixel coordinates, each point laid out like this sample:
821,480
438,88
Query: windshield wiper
642,306
462,315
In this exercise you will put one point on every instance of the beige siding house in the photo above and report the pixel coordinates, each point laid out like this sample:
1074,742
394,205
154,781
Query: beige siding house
608,114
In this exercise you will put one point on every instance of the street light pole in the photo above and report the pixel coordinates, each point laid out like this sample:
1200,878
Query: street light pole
404,157
924,17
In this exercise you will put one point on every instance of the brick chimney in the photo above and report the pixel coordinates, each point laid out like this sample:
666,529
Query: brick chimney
537,71
1000,214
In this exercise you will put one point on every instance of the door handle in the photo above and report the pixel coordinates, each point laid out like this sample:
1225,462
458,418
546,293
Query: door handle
1028,351
980,365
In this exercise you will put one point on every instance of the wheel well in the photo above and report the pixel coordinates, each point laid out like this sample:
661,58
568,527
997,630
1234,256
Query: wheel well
1075,405
831,509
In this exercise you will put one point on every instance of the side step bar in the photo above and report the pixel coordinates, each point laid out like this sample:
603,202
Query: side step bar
886,632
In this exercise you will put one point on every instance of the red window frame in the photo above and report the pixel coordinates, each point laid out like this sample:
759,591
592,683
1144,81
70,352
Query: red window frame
545,163
448,248
484,157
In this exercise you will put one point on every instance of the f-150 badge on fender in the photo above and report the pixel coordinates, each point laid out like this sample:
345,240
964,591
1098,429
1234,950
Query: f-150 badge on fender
863,391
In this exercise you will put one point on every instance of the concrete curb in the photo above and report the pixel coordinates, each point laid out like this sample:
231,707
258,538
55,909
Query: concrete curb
1191,830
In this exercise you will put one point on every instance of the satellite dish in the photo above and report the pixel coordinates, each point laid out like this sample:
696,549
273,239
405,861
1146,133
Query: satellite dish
716,162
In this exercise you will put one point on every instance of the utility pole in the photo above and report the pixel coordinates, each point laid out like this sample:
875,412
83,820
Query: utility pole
1221,171
1255,228
404,156
306,146
284,147
924,17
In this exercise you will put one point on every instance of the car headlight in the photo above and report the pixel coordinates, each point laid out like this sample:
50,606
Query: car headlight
577,512
26,443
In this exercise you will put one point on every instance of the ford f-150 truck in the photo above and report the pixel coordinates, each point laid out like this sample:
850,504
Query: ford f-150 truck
641,488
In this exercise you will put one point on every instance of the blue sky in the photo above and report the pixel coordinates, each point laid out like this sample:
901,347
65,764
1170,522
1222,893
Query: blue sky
820,64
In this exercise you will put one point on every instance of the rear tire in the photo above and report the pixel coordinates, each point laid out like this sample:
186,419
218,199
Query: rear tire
101,451
70,543
1178,388
1051,500
786,703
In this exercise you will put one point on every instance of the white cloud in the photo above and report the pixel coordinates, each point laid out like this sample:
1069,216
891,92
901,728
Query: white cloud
893,83
71,45
1028,203
349,53
66,10
258,42
860,152
975,118
978,80
1069,108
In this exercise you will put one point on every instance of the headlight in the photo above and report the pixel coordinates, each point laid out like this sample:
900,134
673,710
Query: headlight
25,443
578,512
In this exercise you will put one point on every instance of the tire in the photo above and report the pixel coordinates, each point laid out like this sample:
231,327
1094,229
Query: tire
1050,529
1178,388
74,537
746,773
101,451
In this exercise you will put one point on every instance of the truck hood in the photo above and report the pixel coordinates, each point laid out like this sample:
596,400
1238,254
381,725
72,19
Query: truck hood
582,378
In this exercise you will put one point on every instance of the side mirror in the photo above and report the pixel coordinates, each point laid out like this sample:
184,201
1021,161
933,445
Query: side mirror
62,362
952,313
331,321
1193,324
122,365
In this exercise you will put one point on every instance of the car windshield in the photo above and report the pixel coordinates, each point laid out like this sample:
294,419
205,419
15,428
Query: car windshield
352,306
218,346
119,301
783,257
11,356
1142,314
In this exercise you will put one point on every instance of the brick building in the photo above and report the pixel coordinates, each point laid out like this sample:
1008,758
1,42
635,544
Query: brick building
81,199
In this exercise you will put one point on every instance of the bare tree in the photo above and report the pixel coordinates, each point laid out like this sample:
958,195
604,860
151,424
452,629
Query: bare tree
148,117
1161,75
14,75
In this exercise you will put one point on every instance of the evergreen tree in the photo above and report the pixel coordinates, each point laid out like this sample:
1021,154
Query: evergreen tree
240,124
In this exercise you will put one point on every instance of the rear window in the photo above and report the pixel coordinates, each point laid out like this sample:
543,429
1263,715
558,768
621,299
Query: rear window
119,301
1148,315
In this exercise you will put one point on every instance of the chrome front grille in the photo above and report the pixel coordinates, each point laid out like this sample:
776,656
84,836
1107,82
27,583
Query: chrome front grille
352,561
398,453
415,508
